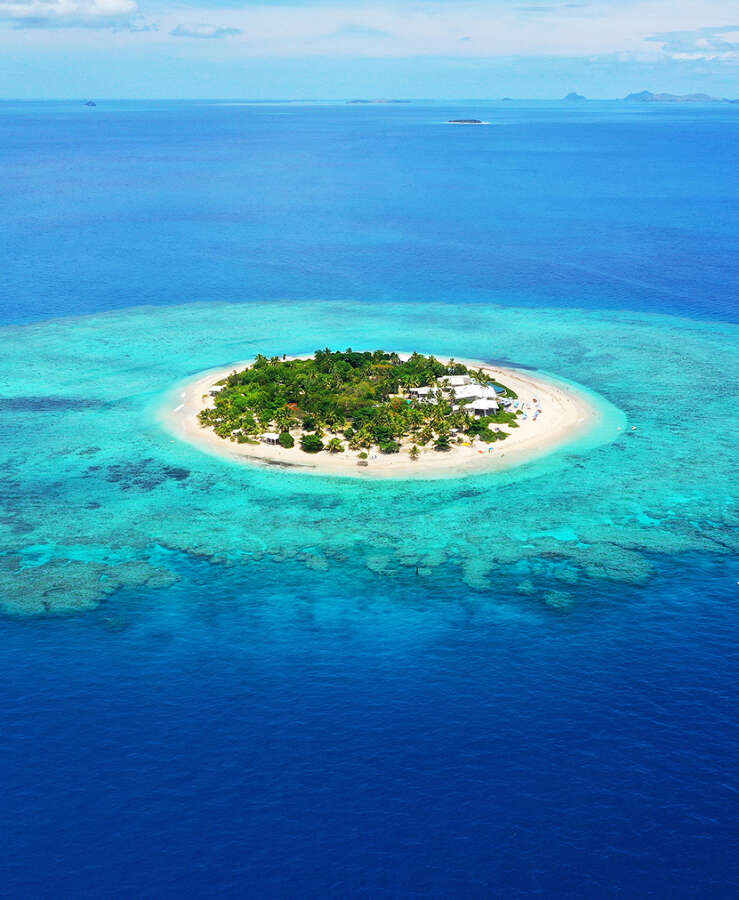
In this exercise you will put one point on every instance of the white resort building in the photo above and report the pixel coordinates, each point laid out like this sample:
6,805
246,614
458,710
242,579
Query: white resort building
462,392
420,392
454,381
483,407
467,392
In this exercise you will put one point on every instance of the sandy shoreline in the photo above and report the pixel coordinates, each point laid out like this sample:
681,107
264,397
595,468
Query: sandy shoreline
566,414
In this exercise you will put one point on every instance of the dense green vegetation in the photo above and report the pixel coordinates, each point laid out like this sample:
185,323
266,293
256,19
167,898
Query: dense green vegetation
360,398
311,443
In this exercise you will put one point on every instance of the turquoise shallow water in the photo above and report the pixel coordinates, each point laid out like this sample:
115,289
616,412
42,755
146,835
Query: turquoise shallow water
96,493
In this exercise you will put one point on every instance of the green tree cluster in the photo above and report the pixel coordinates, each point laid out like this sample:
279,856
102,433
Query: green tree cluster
362,395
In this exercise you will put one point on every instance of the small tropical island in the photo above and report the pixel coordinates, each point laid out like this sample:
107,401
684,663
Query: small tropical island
361,401
467,122
378,413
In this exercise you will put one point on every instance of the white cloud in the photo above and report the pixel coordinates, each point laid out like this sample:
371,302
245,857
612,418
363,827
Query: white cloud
351,30
428,28
204,31
643,30
105,13
700,43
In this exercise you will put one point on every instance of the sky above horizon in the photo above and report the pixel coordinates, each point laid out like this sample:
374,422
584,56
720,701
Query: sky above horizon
378,48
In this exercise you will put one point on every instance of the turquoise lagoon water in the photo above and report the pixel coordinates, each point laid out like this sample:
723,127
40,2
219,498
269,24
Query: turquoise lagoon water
222,680
589,511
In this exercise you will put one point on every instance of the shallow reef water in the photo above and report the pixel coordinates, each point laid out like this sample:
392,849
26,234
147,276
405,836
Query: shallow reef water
95,494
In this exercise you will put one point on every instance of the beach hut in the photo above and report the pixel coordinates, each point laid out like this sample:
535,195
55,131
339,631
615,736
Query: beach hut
483,407
271,437
216,389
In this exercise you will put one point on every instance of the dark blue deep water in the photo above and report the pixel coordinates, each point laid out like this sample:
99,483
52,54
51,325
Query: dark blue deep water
335,736
272,728
609,205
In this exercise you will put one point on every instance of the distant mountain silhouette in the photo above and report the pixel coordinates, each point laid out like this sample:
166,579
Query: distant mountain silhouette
649,97
574,96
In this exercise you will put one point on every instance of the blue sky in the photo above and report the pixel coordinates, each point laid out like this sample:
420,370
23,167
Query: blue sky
308,49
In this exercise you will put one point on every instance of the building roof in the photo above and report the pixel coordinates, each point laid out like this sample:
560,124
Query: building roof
455,380
270,436
488,392
467,392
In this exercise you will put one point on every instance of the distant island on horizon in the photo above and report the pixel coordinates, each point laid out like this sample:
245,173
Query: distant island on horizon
649,97
638,97
644,96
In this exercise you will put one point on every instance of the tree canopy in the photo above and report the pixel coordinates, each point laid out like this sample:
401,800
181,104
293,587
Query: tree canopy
363,395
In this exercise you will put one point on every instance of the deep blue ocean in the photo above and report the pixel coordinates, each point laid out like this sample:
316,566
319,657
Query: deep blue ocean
220,681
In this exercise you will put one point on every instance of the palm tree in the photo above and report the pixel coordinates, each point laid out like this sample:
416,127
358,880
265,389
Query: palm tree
361,438
284,420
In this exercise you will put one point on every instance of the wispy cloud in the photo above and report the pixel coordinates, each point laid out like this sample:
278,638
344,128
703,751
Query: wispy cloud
205,31
700,43
408,28
638,30
72,13
351,30
136,25
548,9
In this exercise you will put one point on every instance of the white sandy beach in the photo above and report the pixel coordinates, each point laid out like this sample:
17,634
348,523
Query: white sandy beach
565,415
